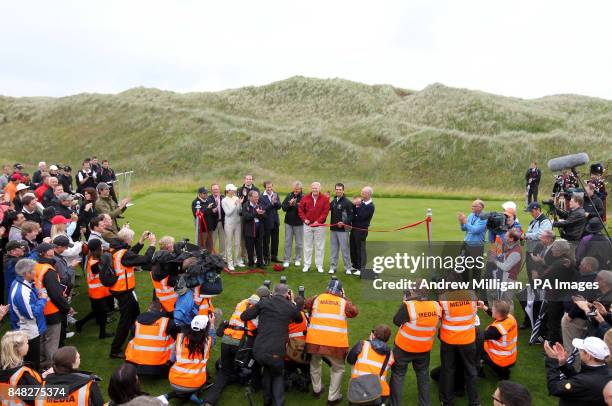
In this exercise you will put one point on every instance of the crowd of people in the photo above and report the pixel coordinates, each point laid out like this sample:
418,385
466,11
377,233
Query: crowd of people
277,339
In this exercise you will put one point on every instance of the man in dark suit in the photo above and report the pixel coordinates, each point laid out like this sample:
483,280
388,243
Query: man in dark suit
199,207
532,181
270,202
362,216
253,217
215,217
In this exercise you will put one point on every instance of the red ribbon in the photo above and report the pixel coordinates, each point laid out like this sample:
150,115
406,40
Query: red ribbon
427,220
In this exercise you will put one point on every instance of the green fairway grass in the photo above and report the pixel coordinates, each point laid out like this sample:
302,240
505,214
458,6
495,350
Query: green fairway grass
170,213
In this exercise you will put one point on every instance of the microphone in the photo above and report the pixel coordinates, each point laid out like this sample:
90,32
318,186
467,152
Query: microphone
568,161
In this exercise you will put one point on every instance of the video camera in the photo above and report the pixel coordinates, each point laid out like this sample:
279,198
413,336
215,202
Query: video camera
495,221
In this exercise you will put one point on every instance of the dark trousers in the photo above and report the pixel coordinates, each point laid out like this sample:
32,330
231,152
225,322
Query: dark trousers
254,246
129,310
63,330
357,242
273,384
420,364
99,311
33,355
501,372
554,314
532,193
270,243
226,375
450,356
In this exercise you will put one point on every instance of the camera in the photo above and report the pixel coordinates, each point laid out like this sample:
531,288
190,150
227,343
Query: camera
301,291
283,279
267,283
495,221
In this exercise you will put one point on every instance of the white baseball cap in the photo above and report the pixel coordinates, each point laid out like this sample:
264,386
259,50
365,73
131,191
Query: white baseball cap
509,205
199,322
231,186
53,168
21,187
592,345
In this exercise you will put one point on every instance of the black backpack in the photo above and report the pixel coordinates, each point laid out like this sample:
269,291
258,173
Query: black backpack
108,276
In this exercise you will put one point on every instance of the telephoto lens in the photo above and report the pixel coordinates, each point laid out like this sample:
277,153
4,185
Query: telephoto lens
283,279
267,283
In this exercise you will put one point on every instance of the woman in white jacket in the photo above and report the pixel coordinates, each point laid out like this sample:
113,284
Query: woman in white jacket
232,206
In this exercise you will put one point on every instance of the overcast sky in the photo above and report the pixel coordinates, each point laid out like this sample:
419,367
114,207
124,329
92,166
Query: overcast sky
517,48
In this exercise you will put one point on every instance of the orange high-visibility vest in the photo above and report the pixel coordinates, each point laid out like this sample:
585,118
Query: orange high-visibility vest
166,294
236,327
298,330
503,352
14,382
126,279
95,288
40,272
458,320
418,334
189,372
204,302
78,397
371,362
328,325
150,345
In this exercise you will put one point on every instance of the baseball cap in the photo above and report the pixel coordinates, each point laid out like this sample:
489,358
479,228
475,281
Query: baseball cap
65,196
253,299
53,168
67,168
202,190
11,245
21,187
334,286
594,346
533,206
199,322
44,247
62,241
231,186
262,291
102,186
59,220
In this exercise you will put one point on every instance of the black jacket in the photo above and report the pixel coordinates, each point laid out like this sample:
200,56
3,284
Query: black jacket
362,215
340,210
599,248
106,175
212,218
36,178
591,205
534,176
275,314
164,264
244,191
48,197
291,212
55,291
272,220
197,205
250,227
584,388
132,256
75,381
572,228
66,182
35,217
61,210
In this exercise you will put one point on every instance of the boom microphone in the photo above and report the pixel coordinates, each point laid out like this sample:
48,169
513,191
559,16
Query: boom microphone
568,161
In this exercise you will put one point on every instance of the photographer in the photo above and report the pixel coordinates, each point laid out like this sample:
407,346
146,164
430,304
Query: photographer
275,314
125,259
572,225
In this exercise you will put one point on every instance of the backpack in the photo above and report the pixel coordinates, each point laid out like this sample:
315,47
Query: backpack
366,389
106,273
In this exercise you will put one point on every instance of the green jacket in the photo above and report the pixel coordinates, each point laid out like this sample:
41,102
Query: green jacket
106,205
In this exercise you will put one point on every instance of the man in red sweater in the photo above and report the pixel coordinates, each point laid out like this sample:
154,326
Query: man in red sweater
313,211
